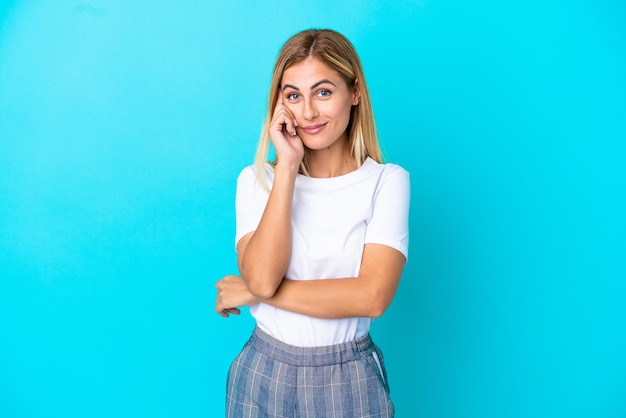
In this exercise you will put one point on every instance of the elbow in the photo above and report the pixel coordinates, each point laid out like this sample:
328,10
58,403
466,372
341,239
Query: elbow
376,310
376,305
262,289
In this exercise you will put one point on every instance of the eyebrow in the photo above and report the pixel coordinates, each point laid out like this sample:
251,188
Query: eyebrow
312,87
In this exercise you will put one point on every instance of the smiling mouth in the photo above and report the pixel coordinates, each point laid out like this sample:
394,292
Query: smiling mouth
313,129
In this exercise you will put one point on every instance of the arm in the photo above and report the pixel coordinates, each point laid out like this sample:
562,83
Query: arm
367,295
263,255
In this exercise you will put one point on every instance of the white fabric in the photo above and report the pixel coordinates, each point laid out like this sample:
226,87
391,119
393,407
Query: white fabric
333,218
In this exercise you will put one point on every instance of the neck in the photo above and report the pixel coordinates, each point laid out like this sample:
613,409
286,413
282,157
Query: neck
333,161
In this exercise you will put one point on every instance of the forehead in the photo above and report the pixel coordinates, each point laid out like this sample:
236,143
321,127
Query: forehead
309,71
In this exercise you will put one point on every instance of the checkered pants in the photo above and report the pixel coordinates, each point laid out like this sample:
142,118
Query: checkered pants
272,379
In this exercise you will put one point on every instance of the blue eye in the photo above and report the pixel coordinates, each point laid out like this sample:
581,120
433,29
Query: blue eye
293,96
324,93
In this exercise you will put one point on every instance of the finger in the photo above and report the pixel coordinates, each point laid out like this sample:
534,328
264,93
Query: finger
219,307
289,121
283,121
225,313
290,126
280,97
280,103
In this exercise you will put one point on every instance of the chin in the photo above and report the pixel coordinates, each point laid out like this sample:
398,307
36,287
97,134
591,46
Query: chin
316,147
317,144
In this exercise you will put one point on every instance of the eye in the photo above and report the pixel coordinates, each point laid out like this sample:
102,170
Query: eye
324,93
292,97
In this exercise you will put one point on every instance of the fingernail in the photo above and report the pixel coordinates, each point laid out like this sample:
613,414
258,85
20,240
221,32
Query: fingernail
295,122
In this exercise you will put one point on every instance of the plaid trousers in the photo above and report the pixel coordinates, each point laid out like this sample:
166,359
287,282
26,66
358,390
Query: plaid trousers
272,379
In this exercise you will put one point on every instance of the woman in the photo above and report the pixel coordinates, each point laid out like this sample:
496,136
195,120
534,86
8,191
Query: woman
322,239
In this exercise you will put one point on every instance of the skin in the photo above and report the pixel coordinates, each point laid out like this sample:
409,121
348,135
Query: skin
313,110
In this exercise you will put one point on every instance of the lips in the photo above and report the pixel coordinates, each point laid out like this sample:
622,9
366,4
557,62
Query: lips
313,129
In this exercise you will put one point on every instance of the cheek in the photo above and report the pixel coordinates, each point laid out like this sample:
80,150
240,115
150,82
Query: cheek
341,111
344,113
292,108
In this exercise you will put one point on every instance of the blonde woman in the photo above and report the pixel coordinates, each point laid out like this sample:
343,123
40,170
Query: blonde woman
322,240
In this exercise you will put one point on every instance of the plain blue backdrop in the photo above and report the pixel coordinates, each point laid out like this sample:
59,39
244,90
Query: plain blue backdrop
123,126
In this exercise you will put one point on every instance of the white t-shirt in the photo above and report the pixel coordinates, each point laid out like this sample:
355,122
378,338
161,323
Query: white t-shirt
333,218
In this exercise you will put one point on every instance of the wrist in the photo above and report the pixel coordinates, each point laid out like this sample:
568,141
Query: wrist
290,168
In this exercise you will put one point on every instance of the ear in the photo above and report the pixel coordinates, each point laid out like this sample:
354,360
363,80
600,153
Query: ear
356,93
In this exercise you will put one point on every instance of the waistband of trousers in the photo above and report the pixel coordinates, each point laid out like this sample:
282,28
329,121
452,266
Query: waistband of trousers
311,356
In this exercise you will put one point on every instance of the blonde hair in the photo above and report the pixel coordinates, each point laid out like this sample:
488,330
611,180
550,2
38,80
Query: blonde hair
336,51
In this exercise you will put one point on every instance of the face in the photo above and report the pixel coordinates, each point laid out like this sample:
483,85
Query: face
321,102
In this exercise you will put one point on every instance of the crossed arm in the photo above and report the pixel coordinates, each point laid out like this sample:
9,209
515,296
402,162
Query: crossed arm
367,295
263,258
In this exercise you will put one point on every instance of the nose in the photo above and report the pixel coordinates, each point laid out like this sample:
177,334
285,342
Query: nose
310,110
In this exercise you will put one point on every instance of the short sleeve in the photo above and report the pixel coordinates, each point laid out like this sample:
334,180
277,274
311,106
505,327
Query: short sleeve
250,201
389,224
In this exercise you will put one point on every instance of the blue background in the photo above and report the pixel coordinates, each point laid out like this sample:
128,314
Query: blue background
123,126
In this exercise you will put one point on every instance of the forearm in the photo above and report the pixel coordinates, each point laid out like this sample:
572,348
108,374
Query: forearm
330,298
367,295
264,260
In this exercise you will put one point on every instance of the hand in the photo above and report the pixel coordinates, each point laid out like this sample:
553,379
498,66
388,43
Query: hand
282,130
231,293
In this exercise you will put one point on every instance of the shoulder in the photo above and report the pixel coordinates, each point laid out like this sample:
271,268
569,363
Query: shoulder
249,173
387,171
392,182
391,169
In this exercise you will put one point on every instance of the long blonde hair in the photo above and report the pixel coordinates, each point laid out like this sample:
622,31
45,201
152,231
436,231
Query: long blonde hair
336,51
